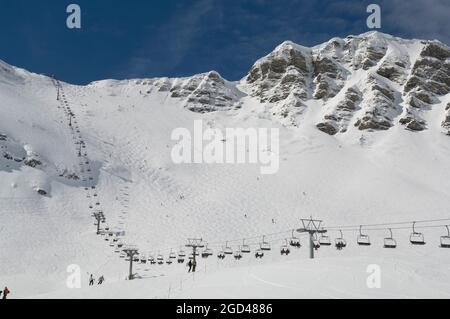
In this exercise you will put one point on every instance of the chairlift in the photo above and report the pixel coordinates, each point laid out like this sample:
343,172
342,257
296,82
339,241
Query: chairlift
228,250
340,242
416,238
221,255
181,254
180,260
238,254
265,246
169,261
207,252
259,253
324,240
143,259
445,240
284,250
160,259
390,242
363,239
315,242
294,241
245,249
136,259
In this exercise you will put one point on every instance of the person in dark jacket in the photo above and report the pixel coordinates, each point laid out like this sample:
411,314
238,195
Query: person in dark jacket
6,292
190,265
91,280
101,280
194,266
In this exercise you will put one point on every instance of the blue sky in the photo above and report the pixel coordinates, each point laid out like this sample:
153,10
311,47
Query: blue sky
149,38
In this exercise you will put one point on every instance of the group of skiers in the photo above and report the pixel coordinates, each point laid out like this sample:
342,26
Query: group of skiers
192,265
4,294
100,281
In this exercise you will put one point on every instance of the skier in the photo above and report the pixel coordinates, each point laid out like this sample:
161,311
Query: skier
91,280
190,265
5,293
101,280
194,266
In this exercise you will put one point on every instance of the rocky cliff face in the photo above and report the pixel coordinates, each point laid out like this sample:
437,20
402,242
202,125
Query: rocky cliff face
371,82
202,93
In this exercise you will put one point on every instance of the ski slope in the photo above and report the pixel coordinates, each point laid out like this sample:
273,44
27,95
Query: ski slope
352,179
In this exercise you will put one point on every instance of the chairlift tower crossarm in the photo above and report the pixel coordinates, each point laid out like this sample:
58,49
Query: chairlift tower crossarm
312,227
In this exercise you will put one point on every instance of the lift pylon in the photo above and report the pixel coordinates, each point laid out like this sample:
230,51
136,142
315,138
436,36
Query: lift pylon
312,227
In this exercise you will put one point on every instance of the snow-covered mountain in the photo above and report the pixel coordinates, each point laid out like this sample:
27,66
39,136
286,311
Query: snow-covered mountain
364,124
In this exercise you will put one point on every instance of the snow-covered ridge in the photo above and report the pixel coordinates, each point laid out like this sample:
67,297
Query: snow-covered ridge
405,77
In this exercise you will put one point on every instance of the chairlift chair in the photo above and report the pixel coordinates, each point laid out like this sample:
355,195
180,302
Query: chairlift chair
324,240
259,253
181,254
221,255
228,250
265,246
363,239
160,259
207,252
169,261
294,241
238,254
143,259
340,242
245,249
284,250
315,242
416,238
390,242
172,255
445,240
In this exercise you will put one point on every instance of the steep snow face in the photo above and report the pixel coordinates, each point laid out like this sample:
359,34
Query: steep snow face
371,170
